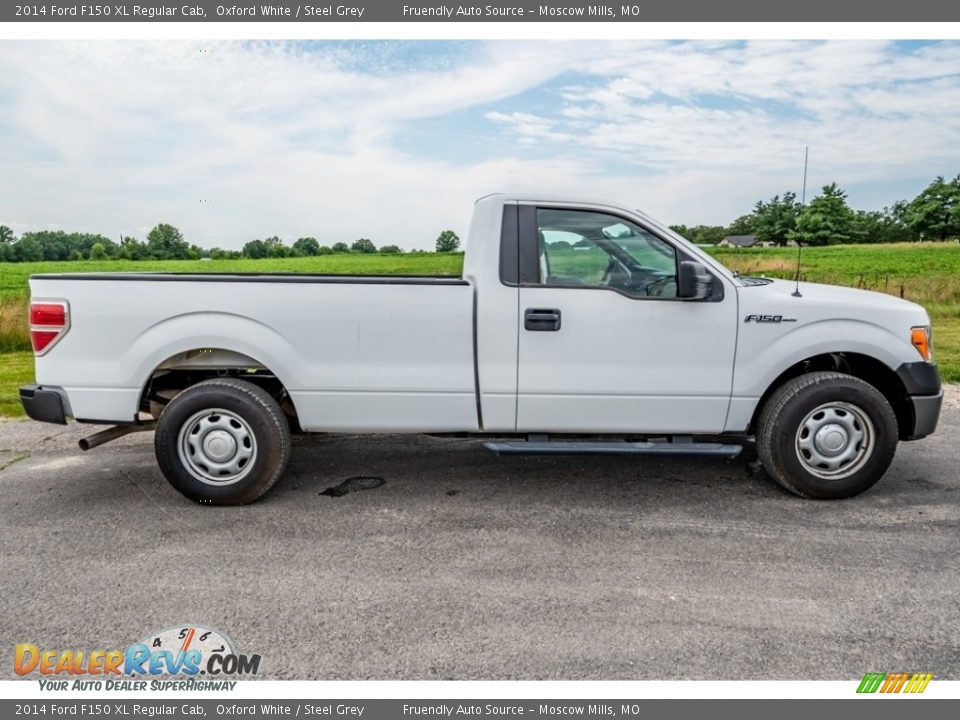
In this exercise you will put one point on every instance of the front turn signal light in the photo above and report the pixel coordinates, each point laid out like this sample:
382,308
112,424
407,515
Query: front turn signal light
920,337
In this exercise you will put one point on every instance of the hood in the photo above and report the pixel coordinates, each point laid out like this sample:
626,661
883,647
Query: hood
820,302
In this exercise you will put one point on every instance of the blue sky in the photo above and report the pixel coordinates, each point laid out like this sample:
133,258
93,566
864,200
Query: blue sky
394,140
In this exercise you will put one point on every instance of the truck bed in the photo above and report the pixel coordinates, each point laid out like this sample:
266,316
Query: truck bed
371,353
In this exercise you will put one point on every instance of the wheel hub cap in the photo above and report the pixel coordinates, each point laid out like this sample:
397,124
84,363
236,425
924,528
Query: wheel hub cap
835,440
217,446
831,439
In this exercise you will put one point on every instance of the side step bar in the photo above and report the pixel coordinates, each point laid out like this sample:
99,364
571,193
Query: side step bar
569,447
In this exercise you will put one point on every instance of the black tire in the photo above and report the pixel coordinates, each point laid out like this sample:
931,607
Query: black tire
190,437
790,452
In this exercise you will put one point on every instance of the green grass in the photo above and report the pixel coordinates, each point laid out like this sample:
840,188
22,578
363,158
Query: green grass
14,290
923,272
16,369
13,276
926,273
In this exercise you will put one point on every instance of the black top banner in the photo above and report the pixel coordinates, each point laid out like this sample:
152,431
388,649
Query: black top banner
515,11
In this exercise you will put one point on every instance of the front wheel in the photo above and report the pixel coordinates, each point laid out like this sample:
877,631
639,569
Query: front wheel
222,442
826,435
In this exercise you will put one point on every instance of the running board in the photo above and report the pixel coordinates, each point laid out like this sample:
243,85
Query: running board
567,447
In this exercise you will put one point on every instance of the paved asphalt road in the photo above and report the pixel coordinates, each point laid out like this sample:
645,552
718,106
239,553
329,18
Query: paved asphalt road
468,566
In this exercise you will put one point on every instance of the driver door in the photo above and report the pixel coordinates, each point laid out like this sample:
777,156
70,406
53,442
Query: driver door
605,343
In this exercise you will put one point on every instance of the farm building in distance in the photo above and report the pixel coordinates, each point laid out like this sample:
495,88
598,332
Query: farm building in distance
749,241
740,241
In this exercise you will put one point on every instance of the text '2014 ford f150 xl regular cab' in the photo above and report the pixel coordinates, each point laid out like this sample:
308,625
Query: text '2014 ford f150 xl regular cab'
571,320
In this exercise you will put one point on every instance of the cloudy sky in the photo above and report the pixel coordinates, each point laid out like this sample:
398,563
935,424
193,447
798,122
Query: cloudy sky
394,140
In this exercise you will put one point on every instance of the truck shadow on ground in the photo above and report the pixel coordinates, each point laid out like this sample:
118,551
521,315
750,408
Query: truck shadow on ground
433,467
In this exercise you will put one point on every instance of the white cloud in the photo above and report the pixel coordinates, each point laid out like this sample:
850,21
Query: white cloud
115,137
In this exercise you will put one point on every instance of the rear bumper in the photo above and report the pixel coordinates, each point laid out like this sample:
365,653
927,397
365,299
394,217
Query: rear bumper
42,404
922,382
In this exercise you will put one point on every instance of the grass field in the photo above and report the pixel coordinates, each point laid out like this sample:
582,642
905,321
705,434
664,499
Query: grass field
925,273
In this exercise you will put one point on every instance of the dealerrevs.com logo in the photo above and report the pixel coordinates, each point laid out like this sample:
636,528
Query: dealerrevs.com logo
180,655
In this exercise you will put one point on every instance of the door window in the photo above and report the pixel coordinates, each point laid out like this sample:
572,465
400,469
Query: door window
582,248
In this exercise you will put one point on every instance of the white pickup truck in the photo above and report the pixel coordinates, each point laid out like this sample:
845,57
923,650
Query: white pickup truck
577,328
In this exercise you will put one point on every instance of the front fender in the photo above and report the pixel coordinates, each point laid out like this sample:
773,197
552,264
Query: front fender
763,355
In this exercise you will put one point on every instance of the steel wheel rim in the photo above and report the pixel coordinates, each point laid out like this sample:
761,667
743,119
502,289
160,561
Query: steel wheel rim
217,446
835,440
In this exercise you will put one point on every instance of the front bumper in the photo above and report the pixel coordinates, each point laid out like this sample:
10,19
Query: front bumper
925,395
43,405
926,413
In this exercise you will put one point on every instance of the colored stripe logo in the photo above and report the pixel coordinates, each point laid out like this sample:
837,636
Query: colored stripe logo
894,682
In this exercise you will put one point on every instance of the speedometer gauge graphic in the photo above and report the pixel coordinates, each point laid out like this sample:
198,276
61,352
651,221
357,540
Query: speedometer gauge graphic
183,638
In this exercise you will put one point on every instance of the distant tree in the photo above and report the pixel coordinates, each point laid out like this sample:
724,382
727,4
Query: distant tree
827,219
743,225
54,244
57,244
133,249
364,245
195,252
98,252
75,255
776,219
707,234
560,245
275,247
28,249
340,247
6,235
881,226
447,241
898,227
255,249
935,212
324,250
86,241
165,242
390,250
307,246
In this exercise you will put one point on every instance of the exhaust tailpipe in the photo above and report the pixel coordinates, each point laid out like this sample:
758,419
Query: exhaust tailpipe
105,436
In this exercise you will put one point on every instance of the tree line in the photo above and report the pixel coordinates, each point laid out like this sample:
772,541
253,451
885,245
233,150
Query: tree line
165,242
827,219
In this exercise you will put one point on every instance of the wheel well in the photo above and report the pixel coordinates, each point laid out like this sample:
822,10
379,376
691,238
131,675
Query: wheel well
183,370
864,367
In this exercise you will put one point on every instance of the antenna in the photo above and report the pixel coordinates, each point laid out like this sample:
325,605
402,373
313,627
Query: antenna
803,201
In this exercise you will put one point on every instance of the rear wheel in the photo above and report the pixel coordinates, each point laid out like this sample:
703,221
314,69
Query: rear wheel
222,442
826,435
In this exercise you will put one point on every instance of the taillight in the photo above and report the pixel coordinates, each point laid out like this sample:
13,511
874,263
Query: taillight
49,321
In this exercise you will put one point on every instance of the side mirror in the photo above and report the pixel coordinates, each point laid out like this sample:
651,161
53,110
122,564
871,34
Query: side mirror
693,281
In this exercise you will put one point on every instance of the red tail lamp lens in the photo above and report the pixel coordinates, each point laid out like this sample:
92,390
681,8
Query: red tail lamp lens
48,322
48,314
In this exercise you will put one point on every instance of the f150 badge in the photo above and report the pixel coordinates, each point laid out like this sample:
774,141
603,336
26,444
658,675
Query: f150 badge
768,319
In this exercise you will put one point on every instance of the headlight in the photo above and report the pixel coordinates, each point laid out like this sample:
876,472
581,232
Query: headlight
923,342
